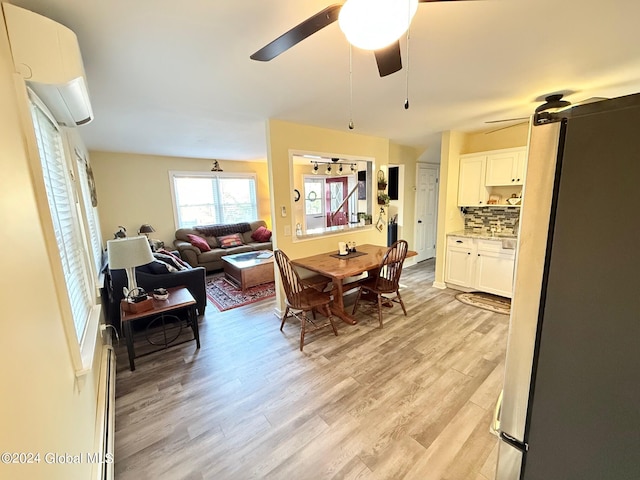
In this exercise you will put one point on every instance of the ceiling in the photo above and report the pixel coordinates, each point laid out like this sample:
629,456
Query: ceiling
174,78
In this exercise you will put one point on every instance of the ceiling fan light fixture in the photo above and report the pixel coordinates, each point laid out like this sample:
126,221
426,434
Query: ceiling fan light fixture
374,24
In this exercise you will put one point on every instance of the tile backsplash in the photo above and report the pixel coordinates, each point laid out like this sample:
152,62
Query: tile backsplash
481,219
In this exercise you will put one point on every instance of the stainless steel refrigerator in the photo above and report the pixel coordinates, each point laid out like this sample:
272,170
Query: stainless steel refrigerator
571,397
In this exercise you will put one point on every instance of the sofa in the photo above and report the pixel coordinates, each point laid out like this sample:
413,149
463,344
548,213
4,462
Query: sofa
205,245
156,275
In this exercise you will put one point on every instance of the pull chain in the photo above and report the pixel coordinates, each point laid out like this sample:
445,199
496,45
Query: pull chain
350,87
406,101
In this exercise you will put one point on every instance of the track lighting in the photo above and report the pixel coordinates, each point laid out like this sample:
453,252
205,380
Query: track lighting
339,170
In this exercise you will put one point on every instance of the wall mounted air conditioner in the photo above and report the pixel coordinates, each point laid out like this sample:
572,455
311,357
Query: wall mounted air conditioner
47,55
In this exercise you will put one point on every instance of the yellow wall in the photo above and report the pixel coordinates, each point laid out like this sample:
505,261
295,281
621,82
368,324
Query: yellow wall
284,137
454,144
43,408
406,157
135,189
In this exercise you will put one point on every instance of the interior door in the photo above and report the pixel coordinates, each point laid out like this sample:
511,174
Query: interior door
314,211
336,190
426,210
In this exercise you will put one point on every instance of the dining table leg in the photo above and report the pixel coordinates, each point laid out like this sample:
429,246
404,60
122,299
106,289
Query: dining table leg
337,306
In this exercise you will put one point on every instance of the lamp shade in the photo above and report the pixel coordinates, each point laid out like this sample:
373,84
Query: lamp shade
374,24
146,228
129,252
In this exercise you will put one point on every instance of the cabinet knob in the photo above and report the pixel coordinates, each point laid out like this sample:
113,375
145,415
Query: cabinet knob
513,179
480,201
518,179
468,253
478,254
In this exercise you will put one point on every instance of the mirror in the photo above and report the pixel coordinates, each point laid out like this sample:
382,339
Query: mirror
333,193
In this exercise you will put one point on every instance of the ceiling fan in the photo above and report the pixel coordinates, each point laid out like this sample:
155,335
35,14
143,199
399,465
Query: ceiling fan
347,14
553,103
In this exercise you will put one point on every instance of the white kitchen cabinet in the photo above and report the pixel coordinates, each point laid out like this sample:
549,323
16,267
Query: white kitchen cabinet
494,268
479,264
471,182
460,261
506,167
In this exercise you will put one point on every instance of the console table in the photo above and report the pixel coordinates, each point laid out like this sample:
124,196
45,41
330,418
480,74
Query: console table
179,300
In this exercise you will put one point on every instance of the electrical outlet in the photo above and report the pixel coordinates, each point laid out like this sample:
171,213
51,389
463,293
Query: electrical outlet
287,230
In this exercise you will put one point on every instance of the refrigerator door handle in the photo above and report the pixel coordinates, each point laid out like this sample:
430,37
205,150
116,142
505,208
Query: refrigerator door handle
495,424
514,442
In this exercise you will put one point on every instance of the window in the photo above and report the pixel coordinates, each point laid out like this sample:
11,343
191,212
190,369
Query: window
64,215
213,198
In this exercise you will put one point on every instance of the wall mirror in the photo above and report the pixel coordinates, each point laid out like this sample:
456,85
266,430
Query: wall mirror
330,193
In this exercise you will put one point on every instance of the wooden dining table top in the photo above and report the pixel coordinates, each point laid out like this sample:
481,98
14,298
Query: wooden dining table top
340,268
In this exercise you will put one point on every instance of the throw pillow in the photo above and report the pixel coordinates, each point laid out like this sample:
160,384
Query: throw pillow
228,241
262,234
198,242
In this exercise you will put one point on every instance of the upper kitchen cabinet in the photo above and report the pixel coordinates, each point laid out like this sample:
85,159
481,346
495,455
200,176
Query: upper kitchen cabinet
506,167
471,183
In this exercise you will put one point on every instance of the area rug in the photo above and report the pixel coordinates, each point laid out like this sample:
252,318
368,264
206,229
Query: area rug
225,296
487,301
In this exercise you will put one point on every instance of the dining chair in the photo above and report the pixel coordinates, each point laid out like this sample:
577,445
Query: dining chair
387,279
301,299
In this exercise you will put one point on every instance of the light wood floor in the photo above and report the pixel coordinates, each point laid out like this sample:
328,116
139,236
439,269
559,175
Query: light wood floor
411,401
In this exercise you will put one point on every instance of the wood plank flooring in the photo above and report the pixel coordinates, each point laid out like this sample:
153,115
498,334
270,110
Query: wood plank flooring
413,400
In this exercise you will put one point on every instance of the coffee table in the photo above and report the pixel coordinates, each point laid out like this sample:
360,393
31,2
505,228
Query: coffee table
247,270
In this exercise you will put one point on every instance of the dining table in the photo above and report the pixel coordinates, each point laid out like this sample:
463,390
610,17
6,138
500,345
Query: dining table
366,259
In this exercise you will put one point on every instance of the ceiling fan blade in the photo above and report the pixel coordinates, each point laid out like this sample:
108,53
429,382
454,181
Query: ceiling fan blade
504,128
298,33
507,120
389,59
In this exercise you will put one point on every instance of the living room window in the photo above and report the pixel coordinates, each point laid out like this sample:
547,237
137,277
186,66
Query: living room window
213,198
59,188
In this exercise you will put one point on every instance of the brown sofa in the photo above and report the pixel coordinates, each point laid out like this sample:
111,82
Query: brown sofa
212,260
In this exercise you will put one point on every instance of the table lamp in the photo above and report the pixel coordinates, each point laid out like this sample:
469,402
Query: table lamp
146,229
129,253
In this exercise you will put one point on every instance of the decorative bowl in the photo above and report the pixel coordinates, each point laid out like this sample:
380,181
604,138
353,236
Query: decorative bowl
160,294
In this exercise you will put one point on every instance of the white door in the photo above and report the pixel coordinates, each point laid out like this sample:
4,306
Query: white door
314,213
426,210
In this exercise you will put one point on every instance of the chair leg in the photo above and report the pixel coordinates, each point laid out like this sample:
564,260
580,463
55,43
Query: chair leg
355,305
284,317
401,302
303,328
380,309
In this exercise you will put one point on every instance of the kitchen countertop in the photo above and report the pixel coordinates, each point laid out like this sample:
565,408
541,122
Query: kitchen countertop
483,235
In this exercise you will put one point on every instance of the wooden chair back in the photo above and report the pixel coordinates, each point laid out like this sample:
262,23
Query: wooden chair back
290,279
391,267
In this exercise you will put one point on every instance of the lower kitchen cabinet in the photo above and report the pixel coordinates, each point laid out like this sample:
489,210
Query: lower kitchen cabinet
480,264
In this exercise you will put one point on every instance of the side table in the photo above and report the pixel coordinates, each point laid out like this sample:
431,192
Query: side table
179,299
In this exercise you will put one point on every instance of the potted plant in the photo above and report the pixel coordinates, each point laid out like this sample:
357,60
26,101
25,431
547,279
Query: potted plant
382,181
383,198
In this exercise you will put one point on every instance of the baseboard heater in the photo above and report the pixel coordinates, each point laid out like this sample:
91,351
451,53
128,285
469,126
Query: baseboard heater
105,416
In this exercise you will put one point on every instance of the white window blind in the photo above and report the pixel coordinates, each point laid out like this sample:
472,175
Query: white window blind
64,216
92,225
204,199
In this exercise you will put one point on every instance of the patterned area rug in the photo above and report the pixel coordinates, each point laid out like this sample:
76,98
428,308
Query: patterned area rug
225,296
487,301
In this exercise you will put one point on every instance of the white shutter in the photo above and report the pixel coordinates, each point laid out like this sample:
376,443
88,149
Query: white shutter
64,216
